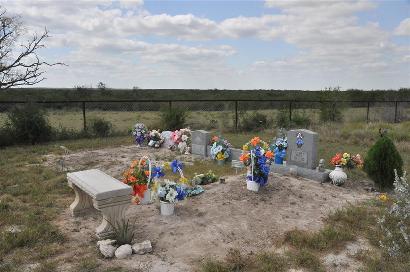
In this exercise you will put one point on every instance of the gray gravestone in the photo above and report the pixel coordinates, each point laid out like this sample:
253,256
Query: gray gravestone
200,141
167,139
302,148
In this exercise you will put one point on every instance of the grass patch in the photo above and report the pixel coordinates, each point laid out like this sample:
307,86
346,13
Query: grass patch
305,259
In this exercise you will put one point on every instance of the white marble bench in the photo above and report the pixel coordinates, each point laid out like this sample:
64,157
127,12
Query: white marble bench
94,188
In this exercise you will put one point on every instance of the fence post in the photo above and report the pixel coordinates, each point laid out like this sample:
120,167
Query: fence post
236,115
84,120
367,113
395,111
290,111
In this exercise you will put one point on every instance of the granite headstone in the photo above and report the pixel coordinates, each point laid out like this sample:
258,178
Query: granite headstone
200,141
302,148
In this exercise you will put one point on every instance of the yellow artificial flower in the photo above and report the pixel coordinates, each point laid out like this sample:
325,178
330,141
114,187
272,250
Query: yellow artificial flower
183,180
346,155
383,197
343,161
266,146
167,166
245,148
220,156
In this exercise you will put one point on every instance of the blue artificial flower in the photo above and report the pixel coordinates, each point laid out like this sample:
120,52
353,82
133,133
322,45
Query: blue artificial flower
175,165
180,193
157,172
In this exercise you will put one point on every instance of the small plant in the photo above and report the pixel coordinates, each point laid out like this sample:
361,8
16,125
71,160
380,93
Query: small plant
329,109
123,232
300,120
173,119
395,223
254,121
28,124
380,162
101,127
282,119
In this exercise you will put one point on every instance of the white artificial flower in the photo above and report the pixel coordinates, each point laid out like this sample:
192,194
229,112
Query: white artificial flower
184,138
172,194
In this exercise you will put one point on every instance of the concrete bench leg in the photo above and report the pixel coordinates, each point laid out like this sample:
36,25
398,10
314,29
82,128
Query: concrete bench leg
111,214
82,202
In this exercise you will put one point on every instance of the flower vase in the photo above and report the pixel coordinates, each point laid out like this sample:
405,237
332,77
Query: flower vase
338,176
220,162
252,186
167,208
147,197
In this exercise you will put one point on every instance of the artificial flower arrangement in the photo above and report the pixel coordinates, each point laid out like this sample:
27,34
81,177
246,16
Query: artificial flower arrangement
169,192
279,148
203,179
140,133
257,157
181,140
220,149
345,160
139,176
338,176
155,139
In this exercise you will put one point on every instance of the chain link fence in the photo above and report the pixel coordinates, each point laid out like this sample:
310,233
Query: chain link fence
228,115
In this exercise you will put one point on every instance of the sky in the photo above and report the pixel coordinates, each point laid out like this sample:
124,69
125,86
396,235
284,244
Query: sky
292,44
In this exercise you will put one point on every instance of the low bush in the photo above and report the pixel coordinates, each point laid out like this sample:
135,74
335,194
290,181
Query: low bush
329,111
254,122
381,161
282,119
28,124
300,120
101,127
173,119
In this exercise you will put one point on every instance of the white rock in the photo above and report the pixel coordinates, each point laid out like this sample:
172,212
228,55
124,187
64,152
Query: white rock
142,248
123,251
106,242
14,229
107,250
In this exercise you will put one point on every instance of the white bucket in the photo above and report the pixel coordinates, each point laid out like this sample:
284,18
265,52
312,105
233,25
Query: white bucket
147,197
252,186
167,208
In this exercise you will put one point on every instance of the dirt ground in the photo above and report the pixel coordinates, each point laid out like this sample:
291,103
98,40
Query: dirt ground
225,216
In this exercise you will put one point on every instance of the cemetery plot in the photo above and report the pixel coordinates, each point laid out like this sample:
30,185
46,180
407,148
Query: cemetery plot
225,216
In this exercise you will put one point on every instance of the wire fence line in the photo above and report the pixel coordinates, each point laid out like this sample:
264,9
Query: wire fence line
207,114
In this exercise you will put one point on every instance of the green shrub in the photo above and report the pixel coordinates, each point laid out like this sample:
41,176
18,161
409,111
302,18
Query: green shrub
254,122
28,124
300,120
329,111
101,127
380,162
329,107
282,119
173,119
6,137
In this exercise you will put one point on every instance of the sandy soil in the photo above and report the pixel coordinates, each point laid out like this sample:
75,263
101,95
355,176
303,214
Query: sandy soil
225,216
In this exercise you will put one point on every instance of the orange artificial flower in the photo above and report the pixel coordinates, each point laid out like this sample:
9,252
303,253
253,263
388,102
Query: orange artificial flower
132,179
147,173
255,141
269,154
244,157
134,163
139,190
215,139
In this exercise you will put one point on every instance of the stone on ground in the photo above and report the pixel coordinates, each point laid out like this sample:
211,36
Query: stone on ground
123,251
107,251
142,248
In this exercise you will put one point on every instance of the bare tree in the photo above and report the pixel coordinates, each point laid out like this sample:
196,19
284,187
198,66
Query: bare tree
19,63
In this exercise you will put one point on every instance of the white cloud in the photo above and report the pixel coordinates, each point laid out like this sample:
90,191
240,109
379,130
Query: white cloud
404,28
111,38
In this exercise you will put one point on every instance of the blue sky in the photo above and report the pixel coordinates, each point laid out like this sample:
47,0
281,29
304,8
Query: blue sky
294,44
